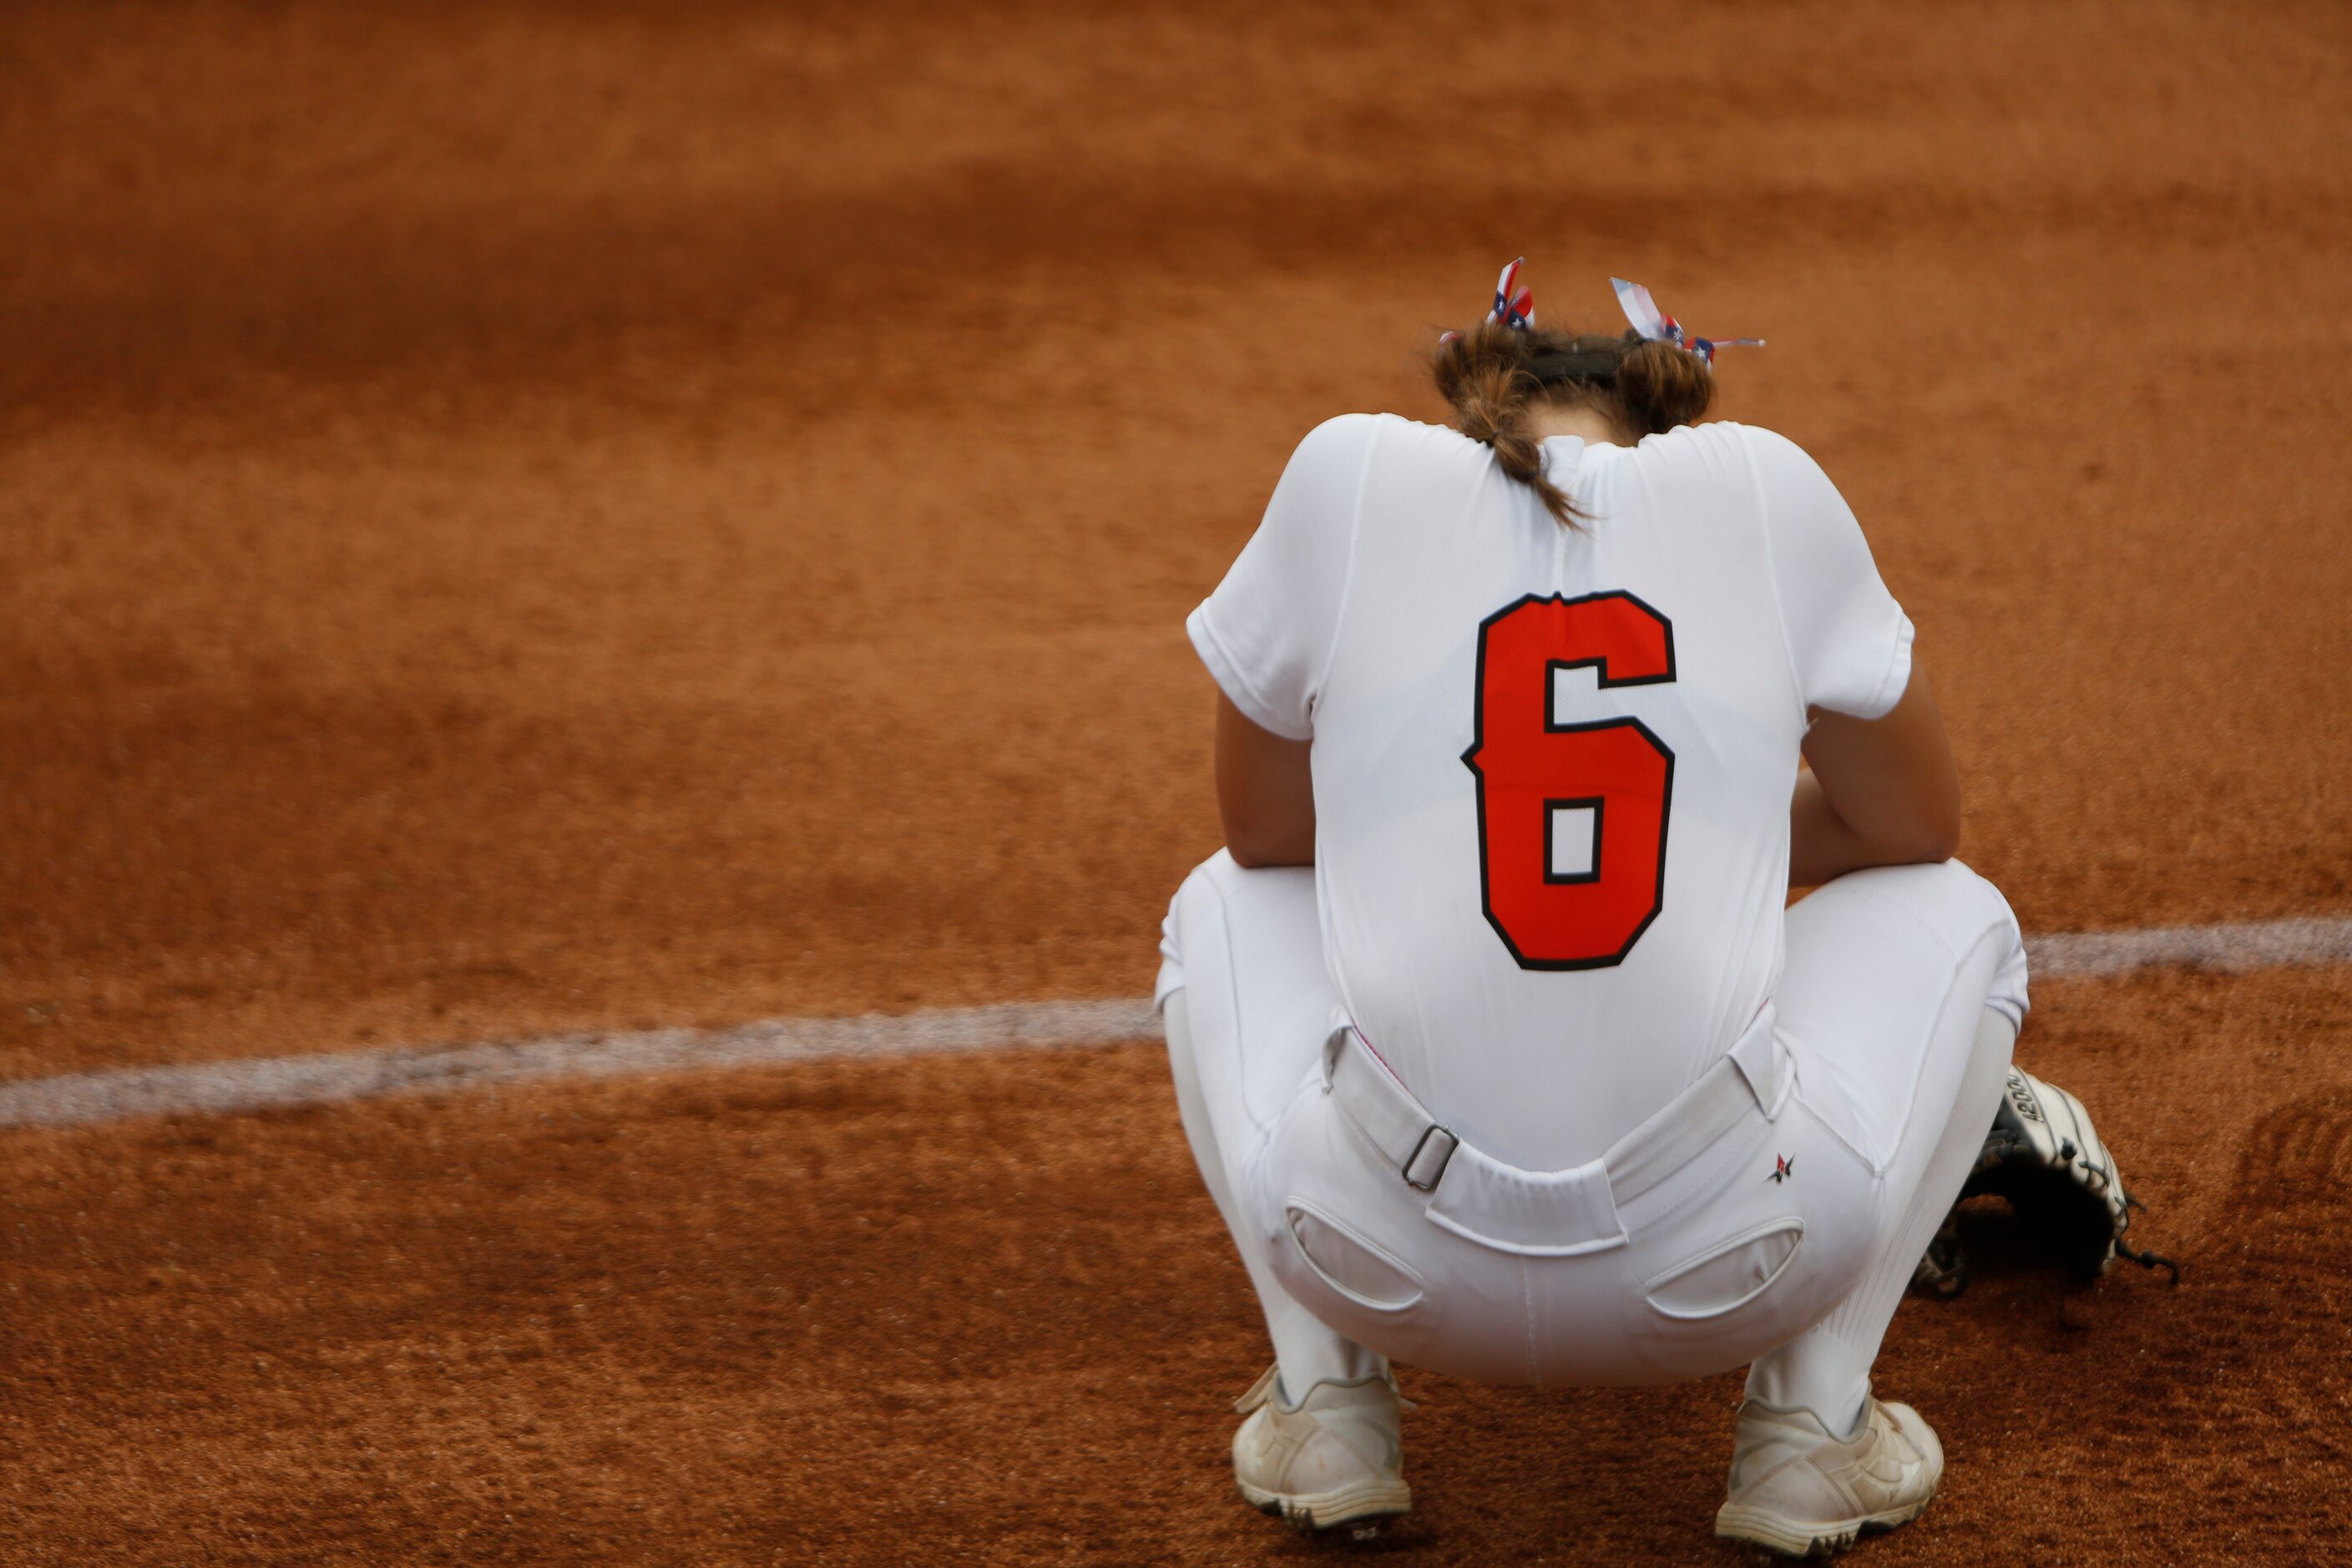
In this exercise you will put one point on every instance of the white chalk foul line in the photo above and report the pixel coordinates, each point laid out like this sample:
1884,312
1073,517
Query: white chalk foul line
78,1099
254,1084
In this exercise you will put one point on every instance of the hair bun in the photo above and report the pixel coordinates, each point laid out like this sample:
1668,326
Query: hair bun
1663,386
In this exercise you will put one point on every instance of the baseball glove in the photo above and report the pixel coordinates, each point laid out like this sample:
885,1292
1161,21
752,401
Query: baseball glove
2046,1160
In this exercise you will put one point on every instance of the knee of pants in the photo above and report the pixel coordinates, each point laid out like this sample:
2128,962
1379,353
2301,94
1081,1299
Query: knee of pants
1965,908
2008,995
1198,893
1222,903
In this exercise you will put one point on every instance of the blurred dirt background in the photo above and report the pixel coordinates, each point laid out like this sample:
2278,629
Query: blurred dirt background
524,516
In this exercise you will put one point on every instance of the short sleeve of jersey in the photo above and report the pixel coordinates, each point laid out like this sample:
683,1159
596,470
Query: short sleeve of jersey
1849,641
1267,633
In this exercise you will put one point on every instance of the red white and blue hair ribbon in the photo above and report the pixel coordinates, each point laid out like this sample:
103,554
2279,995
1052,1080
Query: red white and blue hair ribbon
1660,328
1514,308
1515,302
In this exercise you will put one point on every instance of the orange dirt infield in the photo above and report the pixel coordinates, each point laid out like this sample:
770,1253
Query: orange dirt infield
519,517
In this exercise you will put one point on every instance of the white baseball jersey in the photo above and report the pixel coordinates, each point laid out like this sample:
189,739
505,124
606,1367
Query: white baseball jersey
1552,766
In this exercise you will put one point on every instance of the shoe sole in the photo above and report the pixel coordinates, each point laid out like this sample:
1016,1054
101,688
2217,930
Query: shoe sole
1362,1505
1808,1538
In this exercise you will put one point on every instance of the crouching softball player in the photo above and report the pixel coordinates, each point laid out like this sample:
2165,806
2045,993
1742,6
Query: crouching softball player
1531,1078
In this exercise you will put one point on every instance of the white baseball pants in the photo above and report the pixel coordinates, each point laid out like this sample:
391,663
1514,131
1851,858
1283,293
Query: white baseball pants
1770,1216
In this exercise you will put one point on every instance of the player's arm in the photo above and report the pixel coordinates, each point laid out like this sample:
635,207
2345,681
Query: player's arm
1881,792
1266,793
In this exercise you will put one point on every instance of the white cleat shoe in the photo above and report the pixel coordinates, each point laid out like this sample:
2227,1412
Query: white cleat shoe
1796,1489
1333,1459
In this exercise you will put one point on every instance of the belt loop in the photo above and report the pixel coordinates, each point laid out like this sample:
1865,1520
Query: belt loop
1763,1061
1385,1112
1333,1044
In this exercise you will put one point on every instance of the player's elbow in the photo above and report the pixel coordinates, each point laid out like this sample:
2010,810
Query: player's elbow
1940,824
1928,839
1941,845
1265,828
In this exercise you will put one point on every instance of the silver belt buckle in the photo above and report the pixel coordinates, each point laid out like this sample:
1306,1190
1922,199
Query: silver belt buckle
1436,1165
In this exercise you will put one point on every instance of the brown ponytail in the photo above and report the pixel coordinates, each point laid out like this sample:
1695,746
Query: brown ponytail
1494,376
1662,386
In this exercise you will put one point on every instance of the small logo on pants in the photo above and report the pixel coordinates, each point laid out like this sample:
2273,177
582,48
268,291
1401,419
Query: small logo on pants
1782,1169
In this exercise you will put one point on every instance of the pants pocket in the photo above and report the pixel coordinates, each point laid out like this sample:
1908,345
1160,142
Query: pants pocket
1365,1274
1728,1275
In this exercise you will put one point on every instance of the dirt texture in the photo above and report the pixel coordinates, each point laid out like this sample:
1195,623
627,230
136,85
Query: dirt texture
528,516
944,1311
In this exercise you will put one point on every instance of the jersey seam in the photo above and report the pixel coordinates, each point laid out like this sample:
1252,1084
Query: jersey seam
1470,493
1772,570
1347,572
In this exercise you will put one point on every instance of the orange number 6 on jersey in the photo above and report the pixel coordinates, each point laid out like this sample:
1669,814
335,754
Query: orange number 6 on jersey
1572,817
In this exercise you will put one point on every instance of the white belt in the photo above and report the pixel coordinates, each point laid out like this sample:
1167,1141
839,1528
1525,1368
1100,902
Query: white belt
1553,1214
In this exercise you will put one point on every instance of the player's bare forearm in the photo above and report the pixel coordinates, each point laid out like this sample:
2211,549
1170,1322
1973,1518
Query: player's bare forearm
1265,792
1880,792
1821,847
